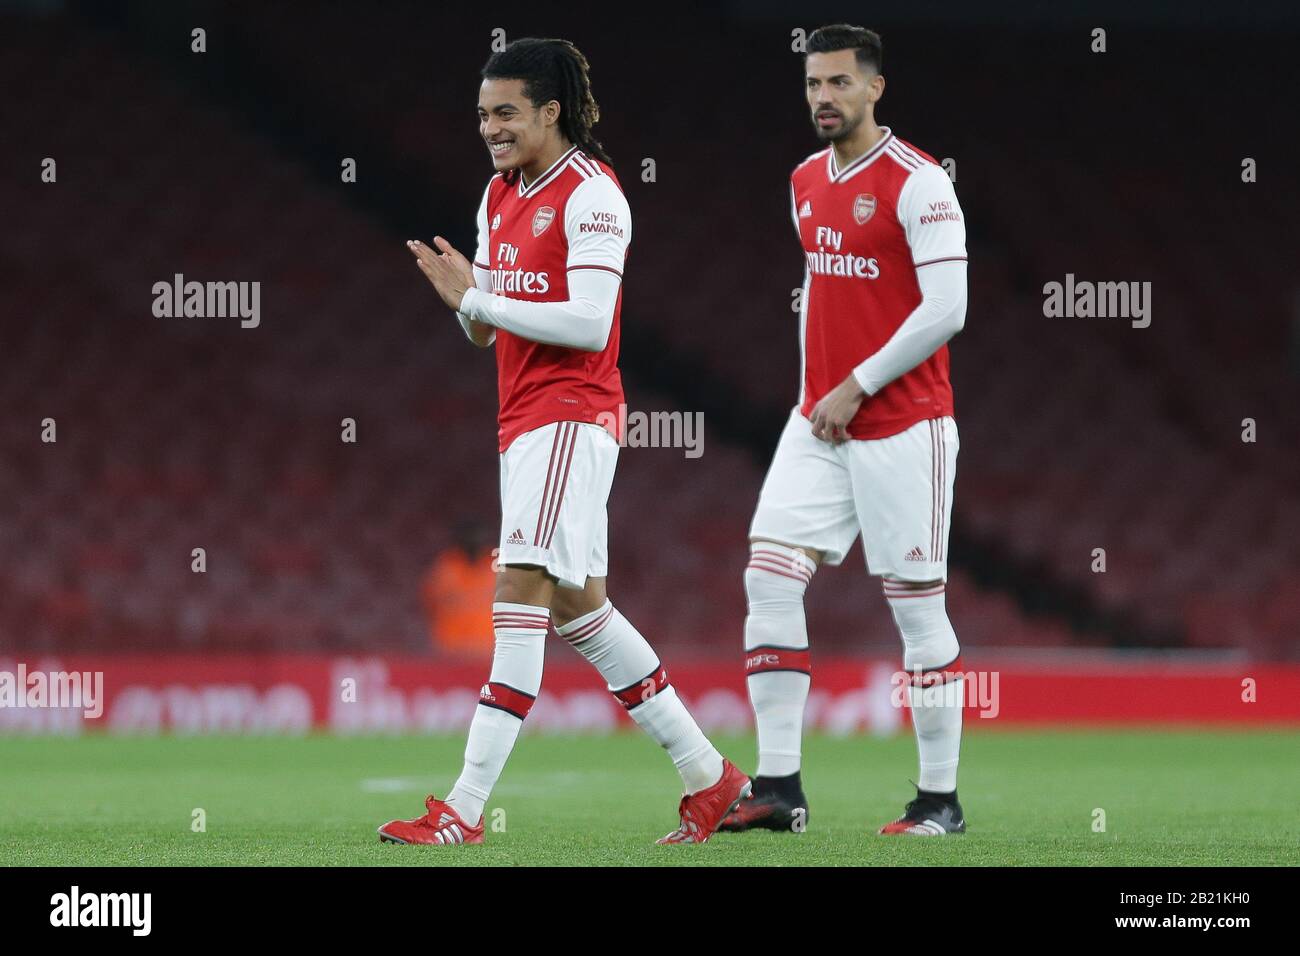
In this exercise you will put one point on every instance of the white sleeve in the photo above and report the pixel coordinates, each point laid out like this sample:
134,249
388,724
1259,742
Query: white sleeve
482,267
939,317
598,226
936,233
931,217
582,322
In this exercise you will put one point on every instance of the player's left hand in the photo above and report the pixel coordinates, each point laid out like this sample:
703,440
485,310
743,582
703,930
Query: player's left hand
448,270
831,416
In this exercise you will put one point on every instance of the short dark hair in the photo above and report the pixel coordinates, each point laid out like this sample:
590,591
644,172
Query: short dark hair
841,36
553,70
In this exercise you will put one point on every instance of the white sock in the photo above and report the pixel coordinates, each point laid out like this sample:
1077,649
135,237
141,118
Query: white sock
777,665
936,718
504,702
634,675
931,656
665,718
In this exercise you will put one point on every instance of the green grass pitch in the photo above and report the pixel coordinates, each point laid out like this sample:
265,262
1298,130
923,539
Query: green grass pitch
1170,798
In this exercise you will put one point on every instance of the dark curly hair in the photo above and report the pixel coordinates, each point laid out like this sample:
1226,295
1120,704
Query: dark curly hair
553,70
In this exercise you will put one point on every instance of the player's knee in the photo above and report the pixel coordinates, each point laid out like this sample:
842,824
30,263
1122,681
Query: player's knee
776,574
569,604
775,581
567,607
921,615
812,554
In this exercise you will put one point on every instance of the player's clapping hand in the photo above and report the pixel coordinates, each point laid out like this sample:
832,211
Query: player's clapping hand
831,416
448,271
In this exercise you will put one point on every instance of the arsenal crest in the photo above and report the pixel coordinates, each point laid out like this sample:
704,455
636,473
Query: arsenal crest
864,207
544,216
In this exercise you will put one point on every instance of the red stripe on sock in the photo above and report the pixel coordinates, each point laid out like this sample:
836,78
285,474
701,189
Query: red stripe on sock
939,675
763,566
796,558
643,690
795,564
893,593
504,697
765,658
590,628
774,561
514,620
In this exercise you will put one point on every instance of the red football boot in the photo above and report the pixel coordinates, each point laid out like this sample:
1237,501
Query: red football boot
702,812
441,826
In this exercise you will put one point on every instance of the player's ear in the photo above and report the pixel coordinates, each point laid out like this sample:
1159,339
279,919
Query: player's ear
550,113
875,88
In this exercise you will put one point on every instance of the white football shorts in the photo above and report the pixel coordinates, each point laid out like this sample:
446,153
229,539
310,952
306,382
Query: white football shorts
555,483
896,491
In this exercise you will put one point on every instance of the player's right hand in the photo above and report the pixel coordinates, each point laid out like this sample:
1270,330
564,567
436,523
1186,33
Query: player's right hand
449,272
831,416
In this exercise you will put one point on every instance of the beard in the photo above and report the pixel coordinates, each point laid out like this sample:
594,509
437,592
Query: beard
847,125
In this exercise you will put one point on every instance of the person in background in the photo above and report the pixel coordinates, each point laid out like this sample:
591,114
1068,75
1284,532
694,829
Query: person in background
457,593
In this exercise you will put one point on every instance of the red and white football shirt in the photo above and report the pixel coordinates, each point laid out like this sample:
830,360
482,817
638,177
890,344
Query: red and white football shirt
574,216
866,230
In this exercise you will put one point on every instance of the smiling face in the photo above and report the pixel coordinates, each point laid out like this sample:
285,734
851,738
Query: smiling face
841,93
516,131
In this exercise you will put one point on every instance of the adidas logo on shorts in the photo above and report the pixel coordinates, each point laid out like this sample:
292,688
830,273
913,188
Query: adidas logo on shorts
916,554
517,537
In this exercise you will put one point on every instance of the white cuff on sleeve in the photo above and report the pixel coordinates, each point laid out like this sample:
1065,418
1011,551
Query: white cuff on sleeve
483,281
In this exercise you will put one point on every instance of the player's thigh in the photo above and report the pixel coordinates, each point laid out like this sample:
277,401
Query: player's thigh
807,497
555,488
903,492
524,584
